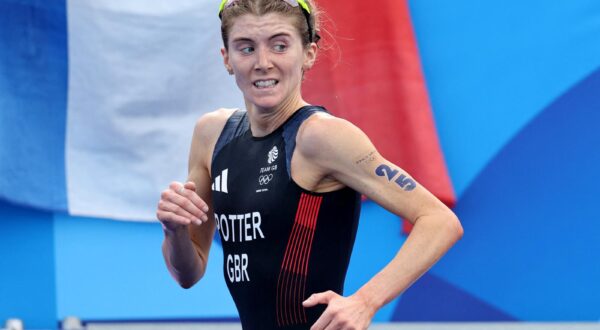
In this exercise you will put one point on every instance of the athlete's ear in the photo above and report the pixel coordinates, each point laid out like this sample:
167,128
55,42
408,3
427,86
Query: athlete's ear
310,56
225,55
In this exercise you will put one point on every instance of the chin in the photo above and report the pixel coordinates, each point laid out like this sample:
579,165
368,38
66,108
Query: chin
266,103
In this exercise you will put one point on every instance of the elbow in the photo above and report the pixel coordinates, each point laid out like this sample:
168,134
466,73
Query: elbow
194,278
455,228
188,283
445,223
185,281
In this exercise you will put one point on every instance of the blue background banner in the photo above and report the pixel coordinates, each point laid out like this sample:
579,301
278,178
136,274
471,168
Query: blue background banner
33,102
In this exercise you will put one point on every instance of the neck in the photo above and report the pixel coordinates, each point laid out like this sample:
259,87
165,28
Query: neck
263,121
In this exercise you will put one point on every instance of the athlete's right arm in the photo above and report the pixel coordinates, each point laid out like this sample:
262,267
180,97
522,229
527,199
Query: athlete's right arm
185,210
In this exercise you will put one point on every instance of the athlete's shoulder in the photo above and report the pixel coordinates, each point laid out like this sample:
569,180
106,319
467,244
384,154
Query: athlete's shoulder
322,133
206,132
209,125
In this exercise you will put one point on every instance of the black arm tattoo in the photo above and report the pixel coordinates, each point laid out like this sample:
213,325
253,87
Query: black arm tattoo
367,158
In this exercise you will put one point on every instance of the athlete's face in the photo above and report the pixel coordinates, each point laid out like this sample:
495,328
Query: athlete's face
267,57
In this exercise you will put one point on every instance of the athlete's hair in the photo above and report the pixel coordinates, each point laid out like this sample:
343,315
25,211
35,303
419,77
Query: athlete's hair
263,7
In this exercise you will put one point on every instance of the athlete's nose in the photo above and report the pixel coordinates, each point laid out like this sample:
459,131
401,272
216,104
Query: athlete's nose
263,60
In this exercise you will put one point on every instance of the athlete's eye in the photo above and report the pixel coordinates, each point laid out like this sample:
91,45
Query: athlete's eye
247,50
280,47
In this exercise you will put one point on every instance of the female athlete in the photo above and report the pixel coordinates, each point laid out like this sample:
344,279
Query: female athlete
281,183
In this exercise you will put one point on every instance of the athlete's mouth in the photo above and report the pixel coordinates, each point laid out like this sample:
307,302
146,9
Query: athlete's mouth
265,83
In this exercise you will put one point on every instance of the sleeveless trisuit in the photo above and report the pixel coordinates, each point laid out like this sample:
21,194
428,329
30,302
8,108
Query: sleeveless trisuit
281,243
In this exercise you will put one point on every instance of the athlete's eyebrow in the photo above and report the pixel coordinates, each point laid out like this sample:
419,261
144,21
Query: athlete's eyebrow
281,34
277,35
242,39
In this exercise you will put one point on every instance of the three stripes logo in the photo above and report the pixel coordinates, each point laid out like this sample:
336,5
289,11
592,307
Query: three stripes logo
220,183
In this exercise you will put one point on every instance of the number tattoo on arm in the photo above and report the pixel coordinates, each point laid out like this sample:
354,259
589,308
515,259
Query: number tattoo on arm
402,181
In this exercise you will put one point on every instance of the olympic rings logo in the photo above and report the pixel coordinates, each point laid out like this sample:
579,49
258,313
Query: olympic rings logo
264,179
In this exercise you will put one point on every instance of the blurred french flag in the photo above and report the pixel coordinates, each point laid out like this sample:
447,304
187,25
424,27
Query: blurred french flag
98,99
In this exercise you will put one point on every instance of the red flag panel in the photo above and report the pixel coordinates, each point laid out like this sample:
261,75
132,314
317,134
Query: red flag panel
369,72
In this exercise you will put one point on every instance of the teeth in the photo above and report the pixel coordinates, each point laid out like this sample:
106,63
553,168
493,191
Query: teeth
265,83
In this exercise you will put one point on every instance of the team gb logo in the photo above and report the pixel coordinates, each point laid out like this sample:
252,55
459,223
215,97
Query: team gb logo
273,154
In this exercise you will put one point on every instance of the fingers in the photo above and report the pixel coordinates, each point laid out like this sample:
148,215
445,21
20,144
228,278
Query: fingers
181,205
189,191
166,206
166,216
324,321
190,185
319,298
347,313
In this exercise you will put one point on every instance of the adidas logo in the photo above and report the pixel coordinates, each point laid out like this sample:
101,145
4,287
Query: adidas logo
220,183
273,155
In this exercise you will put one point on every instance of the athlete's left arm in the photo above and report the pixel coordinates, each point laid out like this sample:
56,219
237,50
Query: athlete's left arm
342,151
